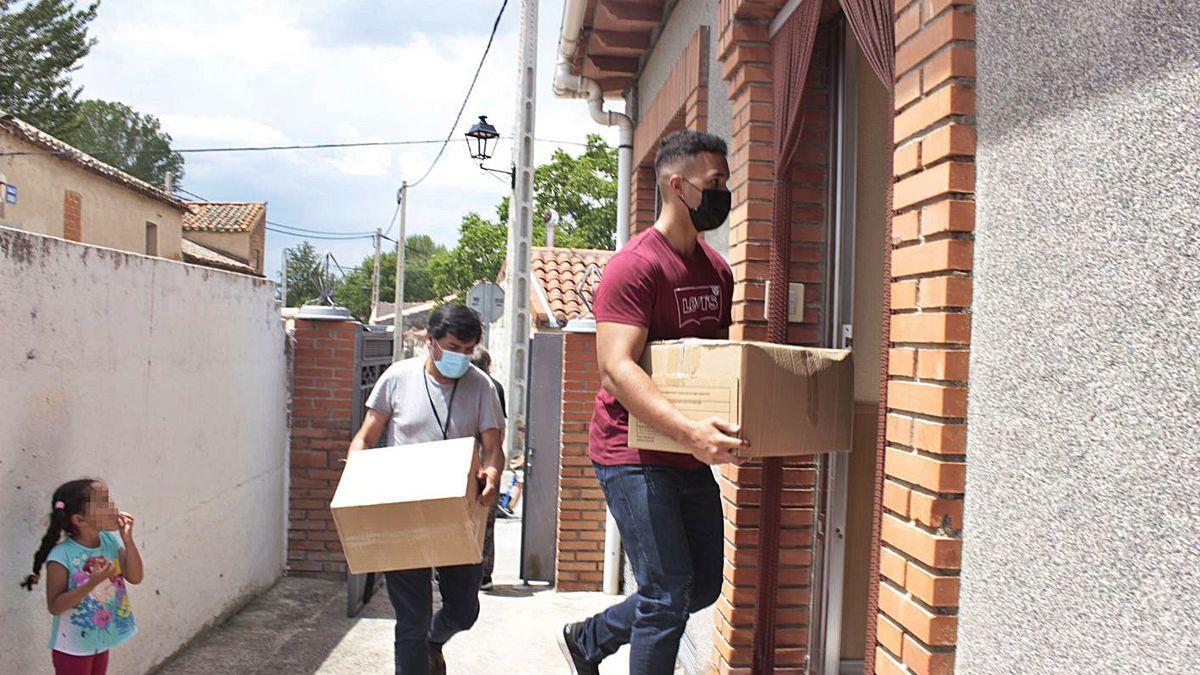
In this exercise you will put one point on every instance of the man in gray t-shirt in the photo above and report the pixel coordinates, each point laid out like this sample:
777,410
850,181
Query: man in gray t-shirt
432,398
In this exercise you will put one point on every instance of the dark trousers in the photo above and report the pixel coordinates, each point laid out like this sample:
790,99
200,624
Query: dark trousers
411,593
671,527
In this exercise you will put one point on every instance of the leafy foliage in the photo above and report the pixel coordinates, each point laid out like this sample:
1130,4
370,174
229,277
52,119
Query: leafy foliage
107,126
41,43
478,255
354,290
305,275
581,190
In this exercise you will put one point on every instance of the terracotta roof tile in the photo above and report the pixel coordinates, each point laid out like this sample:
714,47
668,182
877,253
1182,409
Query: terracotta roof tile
199,254
223,216
560,270
31,134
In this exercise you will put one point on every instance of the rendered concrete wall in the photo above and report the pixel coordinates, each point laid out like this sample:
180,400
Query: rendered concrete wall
1080,543
114,216
169,382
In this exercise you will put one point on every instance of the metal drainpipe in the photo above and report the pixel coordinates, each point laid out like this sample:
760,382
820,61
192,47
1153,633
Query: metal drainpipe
567,85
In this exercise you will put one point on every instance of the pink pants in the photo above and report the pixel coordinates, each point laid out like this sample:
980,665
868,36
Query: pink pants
68,664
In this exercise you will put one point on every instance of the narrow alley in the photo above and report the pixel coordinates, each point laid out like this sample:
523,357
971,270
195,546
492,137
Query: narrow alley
300,626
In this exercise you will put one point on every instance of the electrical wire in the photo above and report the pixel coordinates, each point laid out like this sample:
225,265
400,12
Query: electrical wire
458,117
245,148
300,235
393,223
259,148
294,231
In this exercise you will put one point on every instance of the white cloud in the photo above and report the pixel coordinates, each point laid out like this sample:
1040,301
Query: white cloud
266,72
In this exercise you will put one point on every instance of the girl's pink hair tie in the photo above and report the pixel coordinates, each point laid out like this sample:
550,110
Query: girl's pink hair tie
59,506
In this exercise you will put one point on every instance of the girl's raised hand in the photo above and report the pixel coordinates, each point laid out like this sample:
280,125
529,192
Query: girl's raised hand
126,521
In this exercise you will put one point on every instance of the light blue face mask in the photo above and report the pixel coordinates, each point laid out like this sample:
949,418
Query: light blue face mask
452,364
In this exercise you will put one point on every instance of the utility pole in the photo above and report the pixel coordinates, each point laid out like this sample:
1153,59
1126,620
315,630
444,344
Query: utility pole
398,320
283,275
375,273
520,231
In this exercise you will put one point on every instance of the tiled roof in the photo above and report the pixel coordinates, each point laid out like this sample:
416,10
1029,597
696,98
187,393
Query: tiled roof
45,141
223,216
198,254
560,270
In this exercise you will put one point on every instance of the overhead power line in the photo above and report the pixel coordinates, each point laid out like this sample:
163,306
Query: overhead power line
458,117
265,148
294,231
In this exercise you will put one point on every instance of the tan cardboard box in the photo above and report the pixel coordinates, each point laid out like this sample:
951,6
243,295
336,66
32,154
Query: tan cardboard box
410,507
789,400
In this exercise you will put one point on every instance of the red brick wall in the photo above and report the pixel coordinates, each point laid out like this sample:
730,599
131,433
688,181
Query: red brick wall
746,58
323,381
72,216
579,565
930,335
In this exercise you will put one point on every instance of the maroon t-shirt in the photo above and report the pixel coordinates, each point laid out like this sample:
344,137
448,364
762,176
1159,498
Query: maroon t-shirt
649,283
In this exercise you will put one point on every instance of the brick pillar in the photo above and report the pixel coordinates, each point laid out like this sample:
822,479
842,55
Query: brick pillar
323,382
930,335
746,57
579,565
645,197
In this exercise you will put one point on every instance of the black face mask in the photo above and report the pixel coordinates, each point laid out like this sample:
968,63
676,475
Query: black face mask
713,208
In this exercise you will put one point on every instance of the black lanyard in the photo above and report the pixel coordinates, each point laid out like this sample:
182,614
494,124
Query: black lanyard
444,428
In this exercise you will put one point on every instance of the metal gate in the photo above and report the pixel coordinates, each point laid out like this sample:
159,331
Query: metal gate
372,356
539,523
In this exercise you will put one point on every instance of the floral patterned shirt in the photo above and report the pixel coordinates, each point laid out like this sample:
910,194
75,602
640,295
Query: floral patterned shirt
104,619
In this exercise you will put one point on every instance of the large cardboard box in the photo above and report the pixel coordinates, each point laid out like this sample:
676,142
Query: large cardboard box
410,507
788,400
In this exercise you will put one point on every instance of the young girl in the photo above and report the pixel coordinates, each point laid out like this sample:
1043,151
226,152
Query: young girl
86,575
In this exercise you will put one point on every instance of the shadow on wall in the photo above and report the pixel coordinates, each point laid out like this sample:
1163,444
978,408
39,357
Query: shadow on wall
168,381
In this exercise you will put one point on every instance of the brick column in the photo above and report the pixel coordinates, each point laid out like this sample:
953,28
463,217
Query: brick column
323,382
579,565
930,335
644,196
746,57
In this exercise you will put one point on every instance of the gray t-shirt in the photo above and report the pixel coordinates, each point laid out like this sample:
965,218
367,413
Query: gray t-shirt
401,393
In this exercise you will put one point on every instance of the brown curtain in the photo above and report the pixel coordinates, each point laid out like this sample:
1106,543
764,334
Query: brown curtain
791,52
873,23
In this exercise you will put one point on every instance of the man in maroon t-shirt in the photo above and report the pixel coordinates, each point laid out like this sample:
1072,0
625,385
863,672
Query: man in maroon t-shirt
667,283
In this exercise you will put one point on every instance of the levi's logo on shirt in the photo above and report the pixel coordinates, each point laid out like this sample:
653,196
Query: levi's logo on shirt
698,304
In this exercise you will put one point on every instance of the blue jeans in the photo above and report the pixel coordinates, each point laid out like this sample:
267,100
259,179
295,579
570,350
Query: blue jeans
411,593
671,527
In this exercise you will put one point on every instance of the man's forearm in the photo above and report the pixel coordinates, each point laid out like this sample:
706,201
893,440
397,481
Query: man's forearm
641,397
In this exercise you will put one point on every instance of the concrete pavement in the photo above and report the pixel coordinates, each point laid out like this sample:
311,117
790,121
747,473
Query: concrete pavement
300,626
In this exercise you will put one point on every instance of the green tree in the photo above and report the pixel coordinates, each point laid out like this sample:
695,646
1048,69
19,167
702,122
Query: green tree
582,190
305,274
354,290
41,44
145,149
477,256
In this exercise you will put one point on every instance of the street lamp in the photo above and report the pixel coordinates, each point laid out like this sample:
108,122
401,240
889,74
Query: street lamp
481,143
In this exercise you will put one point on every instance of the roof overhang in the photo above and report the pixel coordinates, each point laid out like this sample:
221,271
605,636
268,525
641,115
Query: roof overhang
614,39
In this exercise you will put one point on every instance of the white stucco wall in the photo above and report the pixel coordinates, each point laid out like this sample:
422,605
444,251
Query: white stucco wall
166,380
113,215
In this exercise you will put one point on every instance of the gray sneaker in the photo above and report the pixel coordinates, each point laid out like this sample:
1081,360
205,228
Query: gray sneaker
568,642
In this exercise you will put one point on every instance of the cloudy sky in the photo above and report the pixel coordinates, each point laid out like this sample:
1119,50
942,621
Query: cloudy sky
275,72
